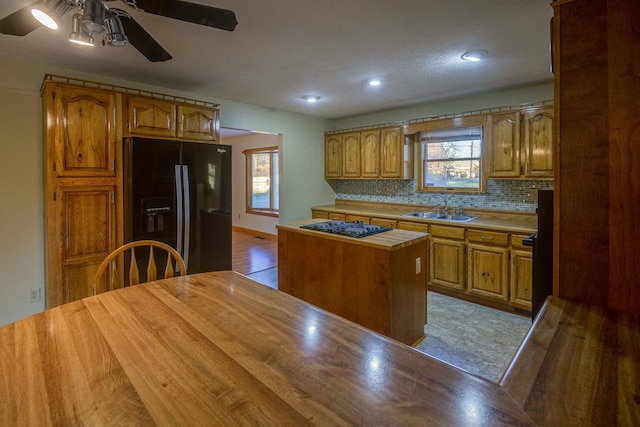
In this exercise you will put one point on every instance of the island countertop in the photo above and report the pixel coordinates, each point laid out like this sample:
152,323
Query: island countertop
389,240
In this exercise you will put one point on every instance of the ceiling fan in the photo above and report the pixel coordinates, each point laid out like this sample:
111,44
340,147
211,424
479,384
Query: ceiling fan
117,25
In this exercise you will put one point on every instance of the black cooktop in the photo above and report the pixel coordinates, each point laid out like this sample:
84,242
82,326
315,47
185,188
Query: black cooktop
343,228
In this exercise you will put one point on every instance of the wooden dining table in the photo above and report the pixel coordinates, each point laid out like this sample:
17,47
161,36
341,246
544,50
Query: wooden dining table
221,349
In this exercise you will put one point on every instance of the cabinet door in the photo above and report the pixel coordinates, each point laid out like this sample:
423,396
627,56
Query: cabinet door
487,271
351,155
82,234
521,278
197,123
446,263
85,132
392,152
333,156
151,117
538,126
370,154
503,144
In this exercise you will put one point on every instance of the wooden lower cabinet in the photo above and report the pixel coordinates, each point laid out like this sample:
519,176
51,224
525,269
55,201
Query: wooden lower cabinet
488,271
82,231
446,257
521,278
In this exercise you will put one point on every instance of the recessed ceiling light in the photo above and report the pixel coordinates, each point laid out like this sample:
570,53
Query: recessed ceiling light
375,82
311,98
475,55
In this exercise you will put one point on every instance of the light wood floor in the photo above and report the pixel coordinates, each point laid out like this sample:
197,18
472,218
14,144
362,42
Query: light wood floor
253,251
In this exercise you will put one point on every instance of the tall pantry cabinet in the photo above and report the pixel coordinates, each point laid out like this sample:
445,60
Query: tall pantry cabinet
83,194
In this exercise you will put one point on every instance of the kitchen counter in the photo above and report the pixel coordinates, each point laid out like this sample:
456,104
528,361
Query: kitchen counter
579,365
378,281
512,222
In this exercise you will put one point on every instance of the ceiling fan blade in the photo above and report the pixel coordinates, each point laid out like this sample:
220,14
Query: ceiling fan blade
141,40
190,12
20,22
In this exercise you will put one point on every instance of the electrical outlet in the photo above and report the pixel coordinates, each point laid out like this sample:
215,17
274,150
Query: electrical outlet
418,265
34,295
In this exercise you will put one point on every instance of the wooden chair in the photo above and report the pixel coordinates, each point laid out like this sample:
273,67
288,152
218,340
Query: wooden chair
134,273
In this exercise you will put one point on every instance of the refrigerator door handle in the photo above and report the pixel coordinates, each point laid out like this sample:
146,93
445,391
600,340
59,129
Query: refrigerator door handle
187,214
179,220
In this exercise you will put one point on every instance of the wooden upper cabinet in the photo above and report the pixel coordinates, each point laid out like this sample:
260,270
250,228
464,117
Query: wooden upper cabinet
151,117
197,123
84,123
370,142
333,156
537,142
503,144
351,155
160,118
392,152
372,153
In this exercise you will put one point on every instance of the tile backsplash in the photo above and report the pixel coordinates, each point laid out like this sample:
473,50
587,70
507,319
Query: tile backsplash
510,195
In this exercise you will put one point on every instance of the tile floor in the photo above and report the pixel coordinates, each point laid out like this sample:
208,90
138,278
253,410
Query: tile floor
474,338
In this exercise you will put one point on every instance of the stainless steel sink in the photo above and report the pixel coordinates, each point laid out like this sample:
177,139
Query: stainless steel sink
433,215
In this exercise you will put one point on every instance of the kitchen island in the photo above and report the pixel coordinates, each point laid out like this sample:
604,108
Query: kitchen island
377,281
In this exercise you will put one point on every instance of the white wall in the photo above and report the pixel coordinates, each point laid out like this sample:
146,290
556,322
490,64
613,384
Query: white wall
21,174
513,97
241,218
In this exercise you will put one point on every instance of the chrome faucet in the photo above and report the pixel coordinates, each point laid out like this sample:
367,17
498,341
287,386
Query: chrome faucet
446,206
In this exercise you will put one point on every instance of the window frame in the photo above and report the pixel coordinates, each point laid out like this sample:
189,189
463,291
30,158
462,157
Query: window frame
444,124
272,211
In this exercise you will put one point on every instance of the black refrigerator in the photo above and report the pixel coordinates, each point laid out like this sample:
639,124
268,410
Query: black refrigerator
180,193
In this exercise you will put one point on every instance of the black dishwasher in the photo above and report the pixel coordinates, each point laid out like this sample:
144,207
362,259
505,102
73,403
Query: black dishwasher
542,243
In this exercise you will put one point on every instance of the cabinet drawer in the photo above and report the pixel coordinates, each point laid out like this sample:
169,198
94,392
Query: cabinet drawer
384,222
449,232
413,226
492,237
351,218
320,214
516,241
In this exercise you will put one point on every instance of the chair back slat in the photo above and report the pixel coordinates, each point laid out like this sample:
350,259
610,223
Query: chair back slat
110,265
134,271
151,268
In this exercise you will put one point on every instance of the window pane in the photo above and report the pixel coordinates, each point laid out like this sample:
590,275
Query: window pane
276,179
453,150
261,173
453,174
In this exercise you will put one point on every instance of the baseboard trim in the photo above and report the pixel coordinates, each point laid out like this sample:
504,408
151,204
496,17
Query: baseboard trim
254,232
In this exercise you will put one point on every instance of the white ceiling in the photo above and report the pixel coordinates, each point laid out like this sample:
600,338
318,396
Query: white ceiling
284,49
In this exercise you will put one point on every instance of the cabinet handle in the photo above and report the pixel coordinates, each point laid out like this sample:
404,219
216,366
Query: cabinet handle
526,167
486,237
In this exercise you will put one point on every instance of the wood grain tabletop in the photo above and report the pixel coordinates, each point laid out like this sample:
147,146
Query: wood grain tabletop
221,349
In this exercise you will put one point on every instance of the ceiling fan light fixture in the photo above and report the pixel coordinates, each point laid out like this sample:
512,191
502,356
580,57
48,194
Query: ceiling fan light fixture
93,15
311,98
50,12
475,55
115,32
78,34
